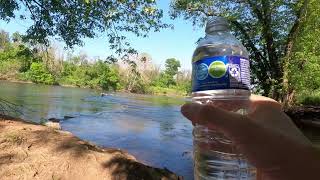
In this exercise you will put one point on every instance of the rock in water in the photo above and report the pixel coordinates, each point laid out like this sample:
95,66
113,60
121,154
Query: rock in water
67,117
54,120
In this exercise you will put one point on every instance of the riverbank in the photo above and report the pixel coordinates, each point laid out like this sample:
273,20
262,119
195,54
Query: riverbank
32,151
159,91
305,116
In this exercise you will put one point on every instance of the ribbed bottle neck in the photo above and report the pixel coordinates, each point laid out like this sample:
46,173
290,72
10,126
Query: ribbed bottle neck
217,28
216,24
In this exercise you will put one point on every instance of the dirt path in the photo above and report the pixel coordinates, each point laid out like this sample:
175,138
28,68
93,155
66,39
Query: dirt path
30,151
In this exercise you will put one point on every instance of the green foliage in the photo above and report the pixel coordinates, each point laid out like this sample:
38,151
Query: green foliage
98,75
103,76
38,73
308,98
19,62
184,86
304,63
166,78
140,87
72,21
9,69
15,57
166,91
263,27
16,37
172,66
19,53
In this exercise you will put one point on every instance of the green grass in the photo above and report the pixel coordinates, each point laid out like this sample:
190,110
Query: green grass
166,91
309,98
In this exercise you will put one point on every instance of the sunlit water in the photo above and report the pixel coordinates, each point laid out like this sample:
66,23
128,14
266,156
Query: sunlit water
149,127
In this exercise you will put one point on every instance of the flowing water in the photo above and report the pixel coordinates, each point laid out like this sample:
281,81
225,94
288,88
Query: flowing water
149,127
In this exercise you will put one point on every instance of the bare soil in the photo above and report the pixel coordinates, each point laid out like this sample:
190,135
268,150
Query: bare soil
31,151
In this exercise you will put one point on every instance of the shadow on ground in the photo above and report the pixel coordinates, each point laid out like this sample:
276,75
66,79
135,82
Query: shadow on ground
29,151
122,168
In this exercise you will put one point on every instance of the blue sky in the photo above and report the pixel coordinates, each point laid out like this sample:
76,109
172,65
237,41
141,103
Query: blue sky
178,43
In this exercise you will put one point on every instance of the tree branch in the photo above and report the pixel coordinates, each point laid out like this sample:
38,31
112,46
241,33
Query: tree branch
268,36
28,6
255,10
40,5
258,55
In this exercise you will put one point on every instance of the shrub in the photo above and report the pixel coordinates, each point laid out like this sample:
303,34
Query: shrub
309,98
38,73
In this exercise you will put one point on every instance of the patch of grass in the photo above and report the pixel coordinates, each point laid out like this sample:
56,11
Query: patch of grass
309,98
166,91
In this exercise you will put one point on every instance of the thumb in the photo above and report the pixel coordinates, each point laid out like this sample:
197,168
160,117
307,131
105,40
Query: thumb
232,124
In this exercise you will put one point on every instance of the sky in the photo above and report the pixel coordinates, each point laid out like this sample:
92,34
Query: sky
178,43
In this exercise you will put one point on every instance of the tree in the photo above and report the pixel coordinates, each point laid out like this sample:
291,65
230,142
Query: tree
172,66
39,74
303,61
4,39
15,51
166,78
16,37
265,27
72,21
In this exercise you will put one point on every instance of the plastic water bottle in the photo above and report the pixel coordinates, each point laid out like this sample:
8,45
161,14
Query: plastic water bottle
221,77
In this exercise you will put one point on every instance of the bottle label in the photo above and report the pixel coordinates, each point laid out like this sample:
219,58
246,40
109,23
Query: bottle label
221,72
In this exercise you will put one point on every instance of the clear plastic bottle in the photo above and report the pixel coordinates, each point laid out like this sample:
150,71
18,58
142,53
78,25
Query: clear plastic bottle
221,77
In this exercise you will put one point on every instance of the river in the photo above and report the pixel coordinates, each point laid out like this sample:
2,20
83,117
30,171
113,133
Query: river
149,127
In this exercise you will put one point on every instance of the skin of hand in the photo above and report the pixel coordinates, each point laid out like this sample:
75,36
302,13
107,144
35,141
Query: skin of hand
266,136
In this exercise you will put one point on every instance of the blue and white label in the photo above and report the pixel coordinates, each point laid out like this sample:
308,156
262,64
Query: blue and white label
202,71
221,72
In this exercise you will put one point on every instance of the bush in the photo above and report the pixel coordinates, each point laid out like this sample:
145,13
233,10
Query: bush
38,73
309,98
98,75
107,76
19,61
9,69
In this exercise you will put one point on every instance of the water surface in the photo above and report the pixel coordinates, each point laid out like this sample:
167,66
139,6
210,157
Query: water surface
149,127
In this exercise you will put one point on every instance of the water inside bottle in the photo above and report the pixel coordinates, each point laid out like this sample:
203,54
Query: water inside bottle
215,156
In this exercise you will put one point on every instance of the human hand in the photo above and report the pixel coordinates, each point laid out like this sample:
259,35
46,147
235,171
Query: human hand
266,136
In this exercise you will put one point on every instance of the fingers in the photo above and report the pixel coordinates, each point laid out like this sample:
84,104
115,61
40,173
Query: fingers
214,117
268,150
268,113
230,105
232,124
257,101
